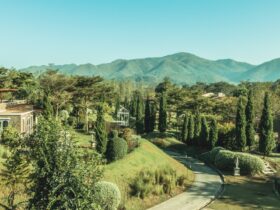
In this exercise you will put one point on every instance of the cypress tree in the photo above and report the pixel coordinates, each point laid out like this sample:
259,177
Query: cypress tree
117,105
204,135
266,143
147,116
100,131
191,129
213,134
197,128
184,132
139,114
250,131
153,114
162,121
240,126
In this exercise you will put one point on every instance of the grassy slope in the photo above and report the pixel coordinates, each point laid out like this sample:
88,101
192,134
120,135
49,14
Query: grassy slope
148,156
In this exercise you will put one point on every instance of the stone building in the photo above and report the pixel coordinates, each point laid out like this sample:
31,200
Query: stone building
17,114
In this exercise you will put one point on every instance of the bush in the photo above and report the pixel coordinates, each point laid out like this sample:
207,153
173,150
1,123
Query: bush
209,157
157,182
107,195
117,148
10,137
249,164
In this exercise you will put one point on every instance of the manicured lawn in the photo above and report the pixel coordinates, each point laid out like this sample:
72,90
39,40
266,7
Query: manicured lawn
246,193
81,138
147,156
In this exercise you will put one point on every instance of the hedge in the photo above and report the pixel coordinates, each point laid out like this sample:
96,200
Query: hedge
248,164
107,195
116,149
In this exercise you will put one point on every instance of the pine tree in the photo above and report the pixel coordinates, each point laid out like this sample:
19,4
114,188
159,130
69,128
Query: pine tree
204,135
147,116
250,131
162,121
13,175
100,131
184,132
240,126
139,114
213,134
266,142
190,130
197,128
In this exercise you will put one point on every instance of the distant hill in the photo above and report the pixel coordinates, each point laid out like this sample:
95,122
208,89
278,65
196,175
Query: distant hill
182,68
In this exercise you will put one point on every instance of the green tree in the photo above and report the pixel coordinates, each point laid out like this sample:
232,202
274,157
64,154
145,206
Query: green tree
162,121
250,131
47,107
240,126
204,135
61,177
184,132
191,129
117,147
100,131
197,128
266,142
153,114
139,114
213,134
148,116
117,105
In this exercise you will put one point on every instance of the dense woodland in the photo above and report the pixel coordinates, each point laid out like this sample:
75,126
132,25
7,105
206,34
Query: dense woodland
44,165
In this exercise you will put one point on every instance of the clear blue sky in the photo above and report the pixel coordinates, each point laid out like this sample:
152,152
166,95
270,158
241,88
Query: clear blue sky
35,32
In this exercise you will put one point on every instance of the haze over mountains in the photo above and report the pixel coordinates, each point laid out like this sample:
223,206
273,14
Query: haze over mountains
182,68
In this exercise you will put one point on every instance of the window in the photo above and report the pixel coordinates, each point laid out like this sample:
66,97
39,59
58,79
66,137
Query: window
5,124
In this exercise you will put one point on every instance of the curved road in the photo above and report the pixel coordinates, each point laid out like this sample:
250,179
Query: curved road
206,186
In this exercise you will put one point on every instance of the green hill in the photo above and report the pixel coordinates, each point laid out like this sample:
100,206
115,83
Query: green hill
146,156
181,68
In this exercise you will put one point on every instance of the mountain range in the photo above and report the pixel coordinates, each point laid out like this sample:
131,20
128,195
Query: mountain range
181,68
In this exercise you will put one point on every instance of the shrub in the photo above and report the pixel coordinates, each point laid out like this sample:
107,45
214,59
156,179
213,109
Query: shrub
225,160
249,164
156,182
107,195
117,148
10,137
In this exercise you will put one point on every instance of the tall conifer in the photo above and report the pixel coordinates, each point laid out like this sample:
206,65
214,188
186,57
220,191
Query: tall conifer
240,126
162,121
250,131
267,142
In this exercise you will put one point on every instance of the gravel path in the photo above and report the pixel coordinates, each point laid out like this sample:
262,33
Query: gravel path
206,186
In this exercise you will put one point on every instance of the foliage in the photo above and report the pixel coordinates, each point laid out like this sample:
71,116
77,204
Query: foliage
191,130
213,134
240,126
197,128
249,164
61,177
10,137
226,136
107,195
184,132
266,142
14,176
100,131
157,182
250,116
162,121
139,113
117,148
204,135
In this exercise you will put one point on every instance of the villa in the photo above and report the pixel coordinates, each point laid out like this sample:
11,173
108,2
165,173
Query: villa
16,113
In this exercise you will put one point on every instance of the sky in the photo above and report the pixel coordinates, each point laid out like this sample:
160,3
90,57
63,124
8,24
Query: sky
36,32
